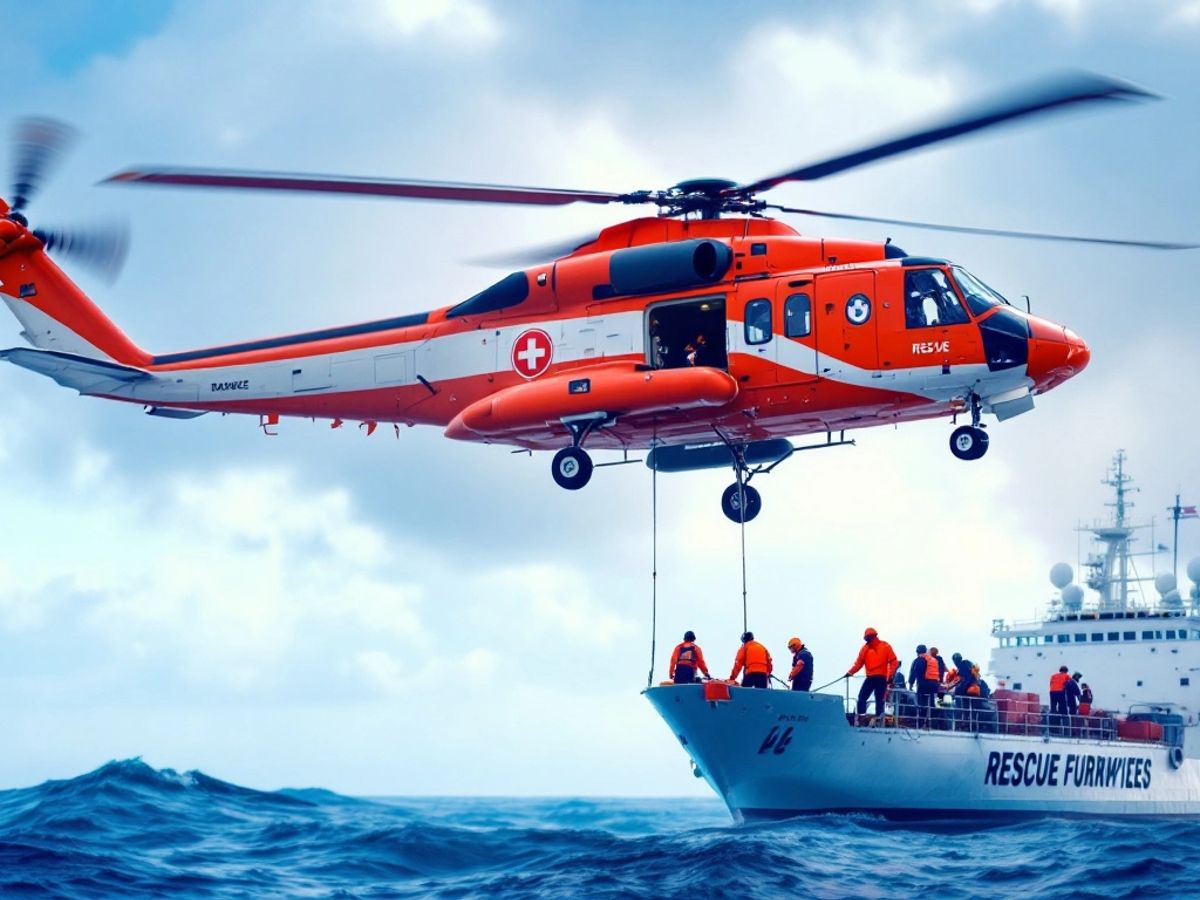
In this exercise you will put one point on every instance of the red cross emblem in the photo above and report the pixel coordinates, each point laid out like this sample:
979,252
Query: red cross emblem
532,353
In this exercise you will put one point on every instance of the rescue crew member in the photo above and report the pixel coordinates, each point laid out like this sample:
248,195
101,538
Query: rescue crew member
1058,699
754,658
925,676
801,675
1072,693
686,659
1085,700
933,651
881,663
963,677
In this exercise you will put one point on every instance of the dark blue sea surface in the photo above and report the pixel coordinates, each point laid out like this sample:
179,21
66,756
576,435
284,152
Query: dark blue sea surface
127,829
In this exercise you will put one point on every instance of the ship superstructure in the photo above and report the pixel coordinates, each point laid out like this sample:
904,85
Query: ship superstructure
1132,648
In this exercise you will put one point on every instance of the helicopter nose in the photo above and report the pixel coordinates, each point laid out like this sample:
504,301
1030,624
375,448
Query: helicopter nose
1056,354
1078,354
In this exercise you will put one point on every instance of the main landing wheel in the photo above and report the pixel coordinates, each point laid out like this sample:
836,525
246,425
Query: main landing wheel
572,468
968,442
734,508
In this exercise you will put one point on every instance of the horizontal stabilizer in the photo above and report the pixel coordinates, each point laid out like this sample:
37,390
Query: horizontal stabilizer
86,375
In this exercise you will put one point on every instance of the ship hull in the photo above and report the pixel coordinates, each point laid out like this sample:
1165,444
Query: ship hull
776,754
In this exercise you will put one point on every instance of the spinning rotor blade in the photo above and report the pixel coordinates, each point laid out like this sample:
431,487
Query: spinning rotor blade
102,248
37,145
992,232
1054,94
367,187
531,256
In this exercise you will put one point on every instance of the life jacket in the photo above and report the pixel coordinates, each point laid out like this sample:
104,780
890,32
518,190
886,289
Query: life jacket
687,655
1058,682
973,690
933,671
757,658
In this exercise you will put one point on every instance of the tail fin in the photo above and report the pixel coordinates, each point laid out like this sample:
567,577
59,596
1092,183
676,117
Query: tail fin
54,313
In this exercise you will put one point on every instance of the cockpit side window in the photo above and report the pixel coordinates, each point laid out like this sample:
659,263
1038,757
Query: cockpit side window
930,300
979,296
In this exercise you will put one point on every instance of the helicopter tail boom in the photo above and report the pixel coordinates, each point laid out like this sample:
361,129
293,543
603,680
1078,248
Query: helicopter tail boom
54,313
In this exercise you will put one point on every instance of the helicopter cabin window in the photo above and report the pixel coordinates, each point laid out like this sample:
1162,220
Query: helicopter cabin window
797,316
930,300
758,322
687,333
980,298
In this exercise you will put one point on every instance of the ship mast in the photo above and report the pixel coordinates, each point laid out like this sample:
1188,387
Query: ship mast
1109,574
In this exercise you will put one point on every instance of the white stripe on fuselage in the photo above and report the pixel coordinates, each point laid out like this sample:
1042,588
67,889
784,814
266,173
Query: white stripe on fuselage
486,351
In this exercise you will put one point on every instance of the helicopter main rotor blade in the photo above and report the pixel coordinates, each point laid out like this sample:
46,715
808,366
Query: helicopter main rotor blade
38,144
365,187
991,232
1053,94
532,256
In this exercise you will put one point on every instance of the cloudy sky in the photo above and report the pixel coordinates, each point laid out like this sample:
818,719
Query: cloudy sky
383,616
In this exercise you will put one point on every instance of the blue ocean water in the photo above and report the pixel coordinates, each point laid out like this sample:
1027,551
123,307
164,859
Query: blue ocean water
127,829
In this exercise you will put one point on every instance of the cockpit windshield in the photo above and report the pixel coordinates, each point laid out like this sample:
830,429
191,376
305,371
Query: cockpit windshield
978,295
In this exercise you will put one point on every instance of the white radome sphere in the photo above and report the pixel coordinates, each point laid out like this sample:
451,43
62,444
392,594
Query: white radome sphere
1164,583
1193,570
1072,596
1061,575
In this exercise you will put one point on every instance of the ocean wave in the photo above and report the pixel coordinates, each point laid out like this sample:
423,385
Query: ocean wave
128,828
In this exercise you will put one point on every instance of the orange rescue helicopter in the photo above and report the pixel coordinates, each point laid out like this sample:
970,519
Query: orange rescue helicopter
709,334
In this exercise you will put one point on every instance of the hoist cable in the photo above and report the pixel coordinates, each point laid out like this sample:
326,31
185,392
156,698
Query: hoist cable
653,566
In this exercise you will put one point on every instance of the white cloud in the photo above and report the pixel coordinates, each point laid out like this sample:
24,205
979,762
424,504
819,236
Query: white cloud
467,22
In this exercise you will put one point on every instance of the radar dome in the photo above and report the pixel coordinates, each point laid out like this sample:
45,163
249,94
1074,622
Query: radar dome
1061,574
1193,570
1164,583
1171,598
1072,596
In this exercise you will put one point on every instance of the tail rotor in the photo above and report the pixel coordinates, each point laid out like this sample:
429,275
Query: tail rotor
39,145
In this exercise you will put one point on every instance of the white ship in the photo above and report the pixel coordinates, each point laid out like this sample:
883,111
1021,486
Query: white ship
774,753
1132,650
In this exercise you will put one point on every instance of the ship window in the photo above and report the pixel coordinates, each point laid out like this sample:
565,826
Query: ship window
1131,635
1139,684
1016,685
1048,639
1097,636
1147,635
1064,638
1114,636
797,316
1158,635
1171,634
1080,638
758,322
1184,682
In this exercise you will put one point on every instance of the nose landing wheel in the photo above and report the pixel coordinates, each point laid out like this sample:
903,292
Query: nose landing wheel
741,503
968,442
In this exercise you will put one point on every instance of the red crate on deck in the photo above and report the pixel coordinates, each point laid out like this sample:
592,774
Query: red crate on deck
1139,731
716,690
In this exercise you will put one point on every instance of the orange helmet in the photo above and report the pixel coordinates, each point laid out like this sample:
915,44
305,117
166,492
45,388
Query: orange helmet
870,632
794,643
